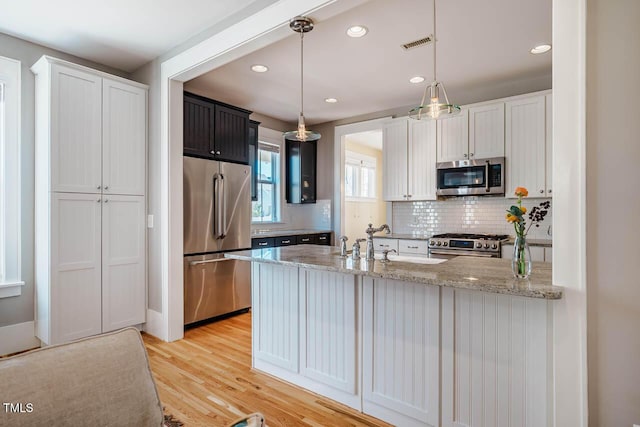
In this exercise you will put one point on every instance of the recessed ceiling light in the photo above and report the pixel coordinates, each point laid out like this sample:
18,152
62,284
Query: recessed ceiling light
541,49
357,31
258,68
416,79
330,100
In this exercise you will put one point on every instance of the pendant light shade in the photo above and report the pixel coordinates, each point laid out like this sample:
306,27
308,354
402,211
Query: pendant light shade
301,24
434,105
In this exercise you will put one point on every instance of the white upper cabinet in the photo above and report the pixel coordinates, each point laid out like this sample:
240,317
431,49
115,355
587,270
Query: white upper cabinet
394,163
453,137
525,142
422,160
124,138
486,131
409,152
549,145
75,130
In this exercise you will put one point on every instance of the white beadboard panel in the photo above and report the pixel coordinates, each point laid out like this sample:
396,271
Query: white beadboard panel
486,131
124,288
276,317
394,150
495,368
453,137
328,312
422,160
401,357
76,139
462,215
124,138
525,145
76,267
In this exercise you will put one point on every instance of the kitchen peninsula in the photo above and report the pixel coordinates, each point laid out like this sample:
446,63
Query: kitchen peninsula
413,344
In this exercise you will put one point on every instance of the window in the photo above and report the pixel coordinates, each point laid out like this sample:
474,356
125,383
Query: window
359,176
267,207
10,284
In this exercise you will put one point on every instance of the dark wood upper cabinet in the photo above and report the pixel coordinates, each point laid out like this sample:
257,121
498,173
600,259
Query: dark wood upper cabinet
215,130
253,157
301,171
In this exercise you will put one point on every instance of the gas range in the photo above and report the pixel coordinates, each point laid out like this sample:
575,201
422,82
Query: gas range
453,244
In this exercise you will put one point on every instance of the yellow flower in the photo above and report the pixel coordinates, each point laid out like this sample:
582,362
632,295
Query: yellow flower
523,210
521,192
512,218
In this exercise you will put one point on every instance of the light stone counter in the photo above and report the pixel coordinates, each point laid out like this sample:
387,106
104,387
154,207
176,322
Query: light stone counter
475,273
402,236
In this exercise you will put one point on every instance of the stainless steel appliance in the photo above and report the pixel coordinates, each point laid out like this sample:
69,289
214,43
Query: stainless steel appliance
217,219
471,177
450,245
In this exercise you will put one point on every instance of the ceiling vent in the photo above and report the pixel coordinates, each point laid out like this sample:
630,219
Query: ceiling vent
417,43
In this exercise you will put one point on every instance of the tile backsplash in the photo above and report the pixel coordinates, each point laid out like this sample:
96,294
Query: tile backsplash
463,215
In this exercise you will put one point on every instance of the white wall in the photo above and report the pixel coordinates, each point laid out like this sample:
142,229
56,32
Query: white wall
613,206
20,309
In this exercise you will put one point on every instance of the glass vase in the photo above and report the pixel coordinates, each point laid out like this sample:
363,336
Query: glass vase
521,261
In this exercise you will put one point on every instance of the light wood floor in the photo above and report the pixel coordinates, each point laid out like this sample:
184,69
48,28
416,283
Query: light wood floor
206,380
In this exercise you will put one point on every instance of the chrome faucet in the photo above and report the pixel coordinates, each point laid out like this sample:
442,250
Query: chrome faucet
355,254
343,246
370,231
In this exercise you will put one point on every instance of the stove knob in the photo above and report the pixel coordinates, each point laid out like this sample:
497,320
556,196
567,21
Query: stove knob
439,243
432,243
494,246
486,246
445,244
478,245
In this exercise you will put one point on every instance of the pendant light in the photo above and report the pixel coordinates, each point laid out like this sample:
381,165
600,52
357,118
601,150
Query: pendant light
436,107
301,24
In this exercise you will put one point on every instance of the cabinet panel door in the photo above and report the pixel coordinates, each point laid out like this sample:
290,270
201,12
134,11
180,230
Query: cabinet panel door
76,131
231,137
422,160
495,364
525,145
276,317
124,130
328,334
486,131
198,121
253,158
75,266
453,137
124,288
549,144
401,351
394,165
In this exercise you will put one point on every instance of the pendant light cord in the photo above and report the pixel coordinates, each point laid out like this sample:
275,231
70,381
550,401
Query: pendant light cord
301,73
434,41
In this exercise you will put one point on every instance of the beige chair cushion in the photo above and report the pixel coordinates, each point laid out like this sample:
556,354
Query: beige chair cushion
98,381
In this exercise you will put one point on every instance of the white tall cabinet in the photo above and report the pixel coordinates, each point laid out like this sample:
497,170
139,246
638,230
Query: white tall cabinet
409,150
90,201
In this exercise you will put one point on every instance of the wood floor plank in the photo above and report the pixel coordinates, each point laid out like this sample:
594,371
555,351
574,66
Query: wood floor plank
206,380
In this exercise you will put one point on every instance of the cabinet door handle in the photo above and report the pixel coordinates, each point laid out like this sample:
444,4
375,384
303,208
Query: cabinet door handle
106,187
541,191
217,153
286,241
549,191
470,154
212,152
465,156
106,200
98,187
98,201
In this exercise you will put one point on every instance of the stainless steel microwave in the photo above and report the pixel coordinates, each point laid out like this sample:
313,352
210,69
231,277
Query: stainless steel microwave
471,177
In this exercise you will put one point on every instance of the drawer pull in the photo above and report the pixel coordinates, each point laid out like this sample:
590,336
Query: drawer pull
286,241
305,240
323,238
413,247
263,244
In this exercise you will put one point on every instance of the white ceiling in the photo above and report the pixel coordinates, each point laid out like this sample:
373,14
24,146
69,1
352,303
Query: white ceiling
124,34
483,53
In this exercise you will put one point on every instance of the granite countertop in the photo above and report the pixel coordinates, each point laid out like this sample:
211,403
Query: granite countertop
284,232
547,243
401,236
476,273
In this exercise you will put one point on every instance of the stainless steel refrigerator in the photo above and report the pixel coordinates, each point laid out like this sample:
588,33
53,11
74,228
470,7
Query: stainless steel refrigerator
217,219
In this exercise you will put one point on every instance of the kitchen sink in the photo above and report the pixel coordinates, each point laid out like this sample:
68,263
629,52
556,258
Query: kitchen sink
413,259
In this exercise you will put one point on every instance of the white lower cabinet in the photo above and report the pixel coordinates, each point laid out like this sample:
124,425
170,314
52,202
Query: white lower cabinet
408,353
400,351
496,365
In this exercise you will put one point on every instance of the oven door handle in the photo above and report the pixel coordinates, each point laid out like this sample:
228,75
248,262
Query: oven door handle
486,177
463,253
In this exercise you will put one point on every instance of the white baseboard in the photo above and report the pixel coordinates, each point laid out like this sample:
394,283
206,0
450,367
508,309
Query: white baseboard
154,325
18,337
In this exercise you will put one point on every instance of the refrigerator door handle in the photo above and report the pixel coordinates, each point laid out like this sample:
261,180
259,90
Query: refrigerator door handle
209,261
217,218
223,205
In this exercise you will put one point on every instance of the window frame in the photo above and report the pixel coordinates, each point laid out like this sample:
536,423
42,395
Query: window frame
273,149
360,161
10,185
